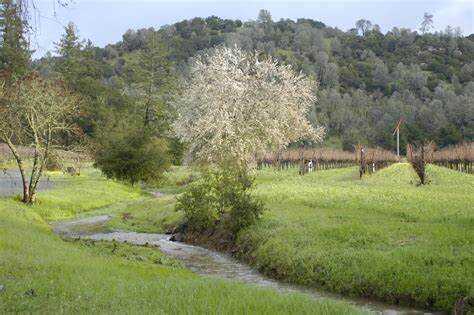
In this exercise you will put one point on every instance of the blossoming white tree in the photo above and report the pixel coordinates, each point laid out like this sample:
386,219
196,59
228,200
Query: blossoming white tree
236,105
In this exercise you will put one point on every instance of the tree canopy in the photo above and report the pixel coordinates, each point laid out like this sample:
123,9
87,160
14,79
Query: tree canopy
236,105
367,79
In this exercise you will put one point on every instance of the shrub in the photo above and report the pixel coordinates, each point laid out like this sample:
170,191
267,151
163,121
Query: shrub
234,185
220,197
176,149
199,203
132,156
244,212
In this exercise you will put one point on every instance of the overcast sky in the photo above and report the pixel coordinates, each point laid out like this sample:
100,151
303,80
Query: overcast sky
104,21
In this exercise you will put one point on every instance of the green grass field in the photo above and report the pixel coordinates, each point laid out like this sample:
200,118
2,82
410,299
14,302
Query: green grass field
40,273
381,237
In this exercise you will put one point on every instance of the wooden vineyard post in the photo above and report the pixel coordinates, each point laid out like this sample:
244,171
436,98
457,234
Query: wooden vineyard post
398,142
362,165
302,162
397,131
278,160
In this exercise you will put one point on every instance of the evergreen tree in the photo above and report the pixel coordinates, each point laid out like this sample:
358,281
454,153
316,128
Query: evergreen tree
154,81
14,47
69,50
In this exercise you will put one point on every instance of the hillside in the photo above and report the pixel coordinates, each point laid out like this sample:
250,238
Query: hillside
367,79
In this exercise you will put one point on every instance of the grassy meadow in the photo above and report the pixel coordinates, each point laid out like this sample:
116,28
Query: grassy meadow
41,273
382,236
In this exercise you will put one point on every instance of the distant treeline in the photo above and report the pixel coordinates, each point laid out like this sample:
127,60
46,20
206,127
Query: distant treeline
368,79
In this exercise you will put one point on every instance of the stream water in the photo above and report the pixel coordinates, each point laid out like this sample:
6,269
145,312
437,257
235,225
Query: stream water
10,183
206,262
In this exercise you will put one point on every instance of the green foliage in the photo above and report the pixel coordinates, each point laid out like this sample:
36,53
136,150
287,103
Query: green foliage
129,252
221,196
140,97
245,211
69,48
132,155
83,73
243,208
151,76
177,149
200,204
14,49
368,79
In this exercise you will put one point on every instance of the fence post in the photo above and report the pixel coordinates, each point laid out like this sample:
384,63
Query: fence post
362,165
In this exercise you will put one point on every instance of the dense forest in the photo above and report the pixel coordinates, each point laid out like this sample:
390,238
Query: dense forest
368,80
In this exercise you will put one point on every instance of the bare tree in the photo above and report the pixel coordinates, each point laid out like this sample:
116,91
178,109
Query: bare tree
363,26
418,158
427,24
35,113
236,106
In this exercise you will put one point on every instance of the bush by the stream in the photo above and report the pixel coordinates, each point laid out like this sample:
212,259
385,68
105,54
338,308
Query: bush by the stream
220,197
199,204
132,156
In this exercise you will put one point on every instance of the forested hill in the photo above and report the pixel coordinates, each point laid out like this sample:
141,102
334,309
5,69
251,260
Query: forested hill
368,79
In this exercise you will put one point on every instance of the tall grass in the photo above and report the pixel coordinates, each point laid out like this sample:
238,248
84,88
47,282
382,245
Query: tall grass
376,237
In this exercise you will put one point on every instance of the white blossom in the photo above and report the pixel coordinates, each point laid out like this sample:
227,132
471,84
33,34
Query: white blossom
236,106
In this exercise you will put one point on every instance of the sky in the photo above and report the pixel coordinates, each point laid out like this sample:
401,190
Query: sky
105,21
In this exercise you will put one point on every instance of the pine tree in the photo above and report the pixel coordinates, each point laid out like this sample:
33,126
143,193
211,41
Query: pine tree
69,49
15,54
154,81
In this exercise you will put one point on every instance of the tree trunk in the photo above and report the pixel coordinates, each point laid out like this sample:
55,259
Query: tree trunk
33,175
26,190
31,197
21,168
